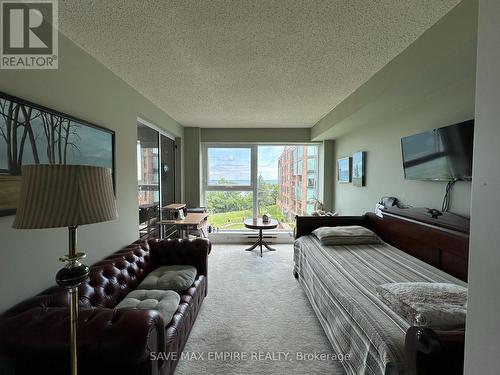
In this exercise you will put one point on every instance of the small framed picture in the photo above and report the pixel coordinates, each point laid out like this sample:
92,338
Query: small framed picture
344,170
358,168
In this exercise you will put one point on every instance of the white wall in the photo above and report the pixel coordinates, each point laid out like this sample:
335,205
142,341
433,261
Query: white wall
84,88
483,323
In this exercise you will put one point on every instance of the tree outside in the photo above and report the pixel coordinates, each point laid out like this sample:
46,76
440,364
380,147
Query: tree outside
228,209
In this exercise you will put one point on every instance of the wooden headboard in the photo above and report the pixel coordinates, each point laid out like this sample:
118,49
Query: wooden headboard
444,248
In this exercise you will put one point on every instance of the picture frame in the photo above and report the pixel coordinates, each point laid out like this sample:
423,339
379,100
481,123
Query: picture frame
34,134
358,168
344,170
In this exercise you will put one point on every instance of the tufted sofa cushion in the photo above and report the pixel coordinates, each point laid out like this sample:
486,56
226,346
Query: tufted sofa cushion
163,301
172,252
111,279
178,278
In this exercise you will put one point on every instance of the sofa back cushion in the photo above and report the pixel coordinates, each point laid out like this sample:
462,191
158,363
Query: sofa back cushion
111,279
171,252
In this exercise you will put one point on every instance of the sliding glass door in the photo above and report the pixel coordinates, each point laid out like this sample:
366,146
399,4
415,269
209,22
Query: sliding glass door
155,177
148,180
242,181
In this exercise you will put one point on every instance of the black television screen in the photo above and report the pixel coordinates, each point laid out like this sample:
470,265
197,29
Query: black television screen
442,154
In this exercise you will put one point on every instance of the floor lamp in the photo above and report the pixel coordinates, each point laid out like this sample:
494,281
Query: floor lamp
54,196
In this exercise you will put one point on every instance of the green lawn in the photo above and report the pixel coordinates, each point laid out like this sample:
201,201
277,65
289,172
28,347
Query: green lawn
234,219
229,220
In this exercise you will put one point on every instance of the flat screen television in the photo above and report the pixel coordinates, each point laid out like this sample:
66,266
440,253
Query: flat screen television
442,154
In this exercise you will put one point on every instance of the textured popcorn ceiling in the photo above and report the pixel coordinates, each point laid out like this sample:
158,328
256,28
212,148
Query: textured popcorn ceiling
252,63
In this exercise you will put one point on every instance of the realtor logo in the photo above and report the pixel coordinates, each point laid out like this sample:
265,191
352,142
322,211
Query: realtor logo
29,34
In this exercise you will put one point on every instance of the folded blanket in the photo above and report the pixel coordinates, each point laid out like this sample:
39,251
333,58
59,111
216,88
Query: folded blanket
436,305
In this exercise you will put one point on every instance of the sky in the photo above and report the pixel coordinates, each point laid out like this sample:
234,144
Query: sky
268,161
234,163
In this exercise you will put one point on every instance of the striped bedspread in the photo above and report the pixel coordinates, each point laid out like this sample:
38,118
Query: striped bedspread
340,283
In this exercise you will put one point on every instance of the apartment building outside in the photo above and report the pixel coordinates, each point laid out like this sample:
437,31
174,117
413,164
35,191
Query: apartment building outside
148,175
297,180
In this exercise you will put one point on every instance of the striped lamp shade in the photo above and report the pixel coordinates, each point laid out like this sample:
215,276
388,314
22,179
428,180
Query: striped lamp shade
64,195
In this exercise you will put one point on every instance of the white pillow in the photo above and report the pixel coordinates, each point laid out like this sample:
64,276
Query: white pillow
436,305
346,235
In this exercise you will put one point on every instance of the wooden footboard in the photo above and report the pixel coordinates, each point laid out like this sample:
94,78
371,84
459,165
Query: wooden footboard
429,352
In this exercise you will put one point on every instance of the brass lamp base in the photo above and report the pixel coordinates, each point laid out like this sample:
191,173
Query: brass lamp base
73,273
70,276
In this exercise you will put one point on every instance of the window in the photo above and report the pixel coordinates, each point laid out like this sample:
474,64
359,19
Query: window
312,150
311,193
311,165
229,185
242,181
311,181
229,166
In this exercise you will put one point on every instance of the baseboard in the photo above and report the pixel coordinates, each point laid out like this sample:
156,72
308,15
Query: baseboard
242,237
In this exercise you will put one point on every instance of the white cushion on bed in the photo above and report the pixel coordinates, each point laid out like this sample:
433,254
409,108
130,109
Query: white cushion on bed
346,235
437,305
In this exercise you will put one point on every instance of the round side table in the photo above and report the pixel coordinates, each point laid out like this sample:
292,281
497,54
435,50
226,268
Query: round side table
259,225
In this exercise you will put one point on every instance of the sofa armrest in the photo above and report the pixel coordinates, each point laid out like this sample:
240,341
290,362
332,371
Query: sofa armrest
190,252
429,351
103,336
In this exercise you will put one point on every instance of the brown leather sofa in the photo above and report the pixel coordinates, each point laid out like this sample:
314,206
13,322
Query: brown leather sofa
34,335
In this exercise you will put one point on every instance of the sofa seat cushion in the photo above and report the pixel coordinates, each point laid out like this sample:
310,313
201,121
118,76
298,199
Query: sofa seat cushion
177,278
165,302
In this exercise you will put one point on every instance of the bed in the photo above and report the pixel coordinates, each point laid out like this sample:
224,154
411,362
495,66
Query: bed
340,283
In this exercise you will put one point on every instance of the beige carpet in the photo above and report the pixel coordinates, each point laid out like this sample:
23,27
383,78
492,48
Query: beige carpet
256,310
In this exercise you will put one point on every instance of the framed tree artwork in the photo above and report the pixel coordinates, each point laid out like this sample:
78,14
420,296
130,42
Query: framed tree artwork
32,134
358,168
344,170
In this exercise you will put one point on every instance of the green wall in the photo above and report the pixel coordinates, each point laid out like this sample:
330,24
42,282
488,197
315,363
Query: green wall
430,84
192,166
384,172
328,164
255,135
84,88
442,55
